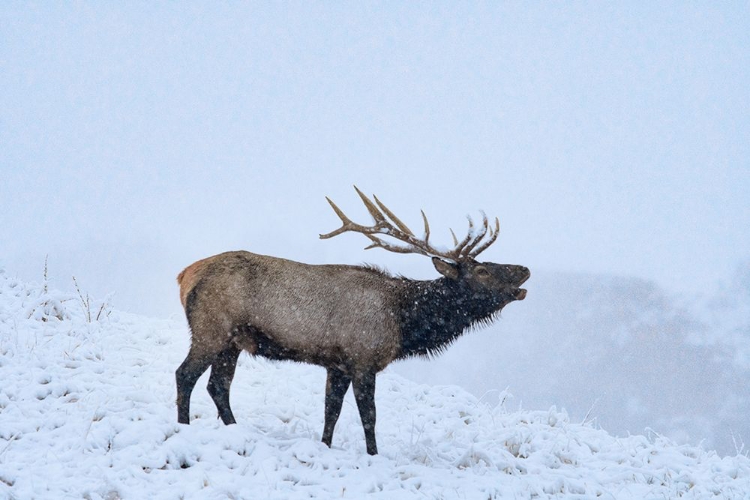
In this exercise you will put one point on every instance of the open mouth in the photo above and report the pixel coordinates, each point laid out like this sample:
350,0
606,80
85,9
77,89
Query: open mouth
520,293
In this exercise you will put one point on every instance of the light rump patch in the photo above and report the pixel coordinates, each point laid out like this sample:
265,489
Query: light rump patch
189,277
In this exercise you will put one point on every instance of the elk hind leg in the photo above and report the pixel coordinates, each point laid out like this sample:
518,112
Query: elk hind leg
222,373
195,364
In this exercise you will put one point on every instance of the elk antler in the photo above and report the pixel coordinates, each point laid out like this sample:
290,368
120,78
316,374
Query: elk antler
387,224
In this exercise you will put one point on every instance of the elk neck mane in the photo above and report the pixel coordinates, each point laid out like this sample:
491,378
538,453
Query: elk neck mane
435,313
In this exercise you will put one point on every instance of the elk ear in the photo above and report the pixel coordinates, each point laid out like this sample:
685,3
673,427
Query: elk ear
447,269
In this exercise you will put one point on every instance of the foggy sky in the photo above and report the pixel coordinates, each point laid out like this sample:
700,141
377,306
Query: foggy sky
136,138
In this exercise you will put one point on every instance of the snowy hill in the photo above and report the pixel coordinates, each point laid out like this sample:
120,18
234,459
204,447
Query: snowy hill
87,411
618,350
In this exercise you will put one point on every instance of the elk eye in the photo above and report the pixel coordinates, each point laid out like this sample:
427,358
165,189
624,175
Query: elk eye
481,271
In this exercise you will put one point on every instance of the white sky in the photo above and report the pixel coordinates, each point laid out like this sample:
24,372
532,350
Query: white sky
137,138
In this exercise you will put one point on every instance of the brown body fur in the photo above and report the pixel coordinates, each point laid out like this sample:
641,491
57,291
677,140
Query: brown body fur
297,305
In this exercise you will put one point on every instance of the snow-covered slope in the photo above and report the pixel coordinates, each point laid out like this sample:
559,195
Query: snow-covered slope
87,411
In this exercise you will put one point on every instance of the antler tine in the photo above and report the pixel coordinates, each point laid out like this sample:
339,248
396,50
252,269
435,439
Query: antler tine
403,227
478,237
378,243
457,252
490,241
426,227
376,214
346,223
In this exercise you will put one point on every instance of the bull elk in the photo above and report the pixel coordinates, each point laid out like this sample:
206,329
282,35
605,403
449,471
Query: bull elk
351,320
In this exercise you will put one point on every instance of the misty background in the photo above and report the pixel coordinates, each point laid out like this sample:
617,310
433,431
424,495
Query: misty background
612,141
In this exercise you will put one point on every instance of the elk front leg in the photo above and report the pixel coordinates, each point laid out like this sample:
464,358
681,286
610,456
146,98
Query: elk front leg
364,393
337,384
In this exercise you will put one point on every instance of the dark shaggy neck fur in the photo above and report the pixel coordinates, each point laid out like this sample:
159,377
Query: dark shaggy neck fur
435,313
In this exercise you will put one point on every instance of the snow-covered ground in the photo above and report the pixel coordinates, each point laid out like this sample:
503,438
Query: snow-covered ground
87,411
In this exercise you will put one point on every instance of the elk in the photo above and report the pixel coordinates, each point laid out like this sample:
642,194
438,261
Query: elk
351,320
